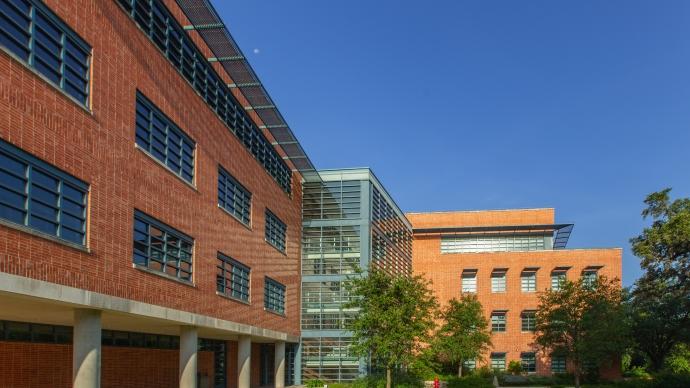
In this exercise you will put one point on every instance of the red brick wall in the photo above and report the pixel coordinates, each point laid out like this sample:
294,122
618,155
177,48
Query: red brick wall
445,270
34,365
482,218
98,147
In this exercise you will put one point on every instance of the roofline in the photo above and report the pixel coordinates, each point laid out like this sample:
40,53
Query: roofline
483,211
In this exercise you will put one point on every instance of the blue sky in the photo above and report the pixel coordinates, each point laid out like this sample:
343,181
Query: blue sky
580,105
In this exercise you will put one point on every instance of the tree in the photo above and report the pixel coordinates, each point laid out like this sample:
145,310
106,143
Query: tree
396,315
464,334
661,299
659,320
583,322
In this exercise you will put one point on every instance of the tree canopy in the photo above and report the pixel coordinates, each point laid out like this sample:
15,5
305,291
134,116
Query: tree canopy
582,321
395,319
464,334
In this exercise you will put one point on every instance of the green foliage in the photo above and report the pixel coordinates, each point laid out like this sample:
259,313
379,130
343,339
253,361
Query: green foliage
678,361
583,322
660,307
484,372
396,316
314,384
473,381
659,381
465,333
515,367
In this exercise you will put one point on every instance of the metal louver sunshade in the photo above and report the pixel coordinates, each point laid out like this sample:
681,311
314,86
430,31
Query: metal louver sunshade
205,20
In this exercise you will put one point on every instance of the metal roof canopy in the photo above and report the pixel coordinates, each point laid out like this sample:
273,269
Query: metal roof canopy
206,21
562,232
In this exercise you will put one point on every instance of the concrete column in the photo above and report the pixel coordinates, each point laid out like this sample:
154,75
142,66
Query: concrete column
86,350
189,343
280,364
244,362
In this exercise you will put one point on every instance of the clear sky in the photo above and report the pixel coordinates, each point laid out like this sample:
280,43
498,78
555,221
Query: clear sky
579,105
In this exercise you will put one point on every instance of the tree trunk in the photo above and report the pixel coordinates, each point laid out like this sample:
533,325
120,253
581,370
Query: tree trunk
388,377
460,369
577,379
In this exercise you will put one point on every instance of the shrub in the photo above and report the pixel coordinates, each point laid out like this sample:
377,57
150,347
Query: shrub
314,384
515,367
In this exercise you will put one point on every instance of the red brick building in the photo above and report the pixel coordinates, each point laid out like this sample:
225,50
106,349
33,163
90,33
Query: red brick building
146,205
506,257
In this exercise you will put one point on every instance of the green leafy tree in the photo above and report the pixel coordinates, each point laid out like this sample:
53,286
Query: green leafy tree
584,322
396,316
464,334
660,307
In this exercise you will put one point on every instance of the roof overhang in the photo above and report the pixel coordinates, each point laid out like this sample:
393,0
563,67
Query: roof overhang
561,232
207,23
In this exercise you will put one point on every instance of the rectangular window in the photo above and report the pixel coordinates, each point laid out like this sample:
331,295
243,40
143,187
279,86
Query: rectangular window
166,33
470,364
529,362
161,248
233,197
498,361
498,321
589,277
529,321
274,296
275,231
34,34
557,279
558,364
162,139
232,278
498,281
39,196
469,281
473,243
34,332
528,281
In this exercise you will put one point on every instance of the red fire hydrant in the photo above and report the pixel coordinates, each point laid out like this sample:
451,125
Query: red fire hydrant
437,384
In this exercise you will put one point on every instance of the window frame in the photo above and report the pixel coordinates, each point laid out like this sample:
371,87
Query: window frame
468,286
275,227
562,360
34,167
499,325
528,281
528,361
499,357
155,114
227,260
268,299
222,172
528,321
67,37
500,285
558,277
168,231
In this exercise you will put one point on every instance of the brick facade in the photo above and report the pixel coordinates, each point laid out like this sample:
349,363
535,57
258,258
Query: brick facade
98,147
445,271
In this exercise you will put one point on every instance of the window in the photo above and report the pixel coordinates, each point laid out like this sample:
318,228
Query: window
274,296
498,281
165,141
161,248
275,231
529,320
529,362
233,197
498,361
558,277
166,33
470,364
528,280
589,277
35,35
139,340
232,278
472,243
498,321
34,332
558,364
41,197
469,281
